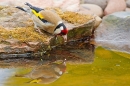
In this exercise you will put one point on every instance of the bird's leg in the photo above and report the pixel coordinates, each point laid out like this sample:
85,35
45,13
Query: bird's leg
38,29
56,37
65,38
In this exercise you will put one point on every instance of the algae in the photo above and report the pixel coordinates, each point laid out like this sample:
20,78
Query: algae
108,69
23,34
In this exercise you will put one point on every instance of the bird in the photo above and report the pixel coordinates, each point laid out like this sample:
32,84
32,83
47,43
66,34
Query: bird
46,20
46,74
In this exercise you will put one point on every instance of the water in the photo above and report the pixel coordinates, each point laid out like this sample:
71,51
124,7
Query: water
123,46
5,74
108,69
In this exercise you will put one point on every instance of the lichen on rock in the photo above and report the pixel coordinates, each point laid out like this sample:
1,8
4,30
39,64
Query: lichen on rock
73,17
22,34
17,26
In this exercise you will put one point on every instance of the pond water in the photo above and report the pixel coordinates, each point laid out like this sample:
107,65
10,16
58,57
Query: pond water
110,68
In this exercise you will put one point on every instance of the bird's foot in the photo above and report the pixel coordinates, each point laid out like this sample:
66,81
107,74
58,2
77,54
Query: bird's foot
38,30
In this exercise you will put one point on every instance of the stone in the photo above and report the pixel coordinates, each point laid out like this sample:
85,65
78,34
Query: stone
71,5
115,6
98,20
114,32
128,3
95,9
101,3
127,9
23,41
88,12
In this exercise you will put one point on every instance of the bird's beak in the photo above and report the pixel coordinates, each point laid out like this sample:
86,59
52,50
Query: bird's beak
65,38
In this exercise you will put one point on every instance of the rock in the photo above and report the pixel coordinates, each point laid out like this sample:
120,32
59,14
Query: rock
127,9
101,3
115,6
95,9
33,43
71,5
9,18
88,12
128,3
98,20
114,32
23,41
16,46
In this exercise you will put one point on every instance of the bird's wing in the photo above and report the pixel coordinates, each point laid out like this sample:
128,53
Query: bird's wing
35,10
52,20
50,16
47,26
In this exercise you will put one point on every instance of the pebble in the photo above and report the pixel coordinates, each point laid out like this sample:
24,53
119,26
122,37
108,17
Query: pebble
128,3
101,3
115,6
95,9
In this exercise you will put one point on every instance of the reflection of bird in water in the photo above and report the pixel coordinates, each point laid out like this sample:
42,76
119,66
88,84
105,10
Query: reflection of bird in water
47,73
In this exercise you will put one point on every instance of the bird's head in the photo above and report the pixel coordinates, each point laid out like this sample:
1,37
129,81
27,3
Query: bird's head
64,31
61,30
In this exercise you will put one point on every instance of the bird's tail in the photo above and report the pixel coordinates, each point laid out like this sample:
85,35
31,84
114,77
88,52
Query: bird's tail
29,5
37,9
21,8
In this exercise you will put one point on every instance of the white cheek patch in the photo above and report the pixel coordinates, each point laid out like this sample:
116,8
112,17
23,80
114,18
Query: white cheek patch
61,28
57,31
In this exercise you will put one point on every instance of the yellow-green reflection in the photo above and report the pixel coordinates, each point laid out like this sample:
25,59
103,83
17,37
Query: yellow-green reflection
108,69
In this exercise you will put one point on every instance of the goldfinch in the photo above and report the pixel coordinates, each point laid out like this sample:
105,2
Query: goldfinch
46,20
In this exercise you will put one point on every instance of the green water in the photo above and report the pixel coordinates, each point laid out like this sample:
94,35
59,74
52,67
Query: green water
108,69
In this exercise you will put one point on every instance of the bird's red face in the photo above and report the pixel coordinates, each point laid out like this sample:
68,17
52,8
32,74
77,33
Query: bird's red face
64,32
61,29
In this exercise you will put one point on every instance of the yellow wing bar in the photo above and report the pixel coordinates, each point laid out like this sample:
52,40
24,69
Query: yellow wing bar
37,14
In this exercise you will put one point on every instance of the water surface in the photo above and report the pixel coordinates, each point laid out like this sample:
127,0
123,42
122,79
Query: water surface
108,69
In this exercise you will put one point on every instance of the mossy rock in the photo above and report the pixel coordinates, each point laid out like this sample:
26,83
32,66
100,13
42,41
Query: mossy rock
21,40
